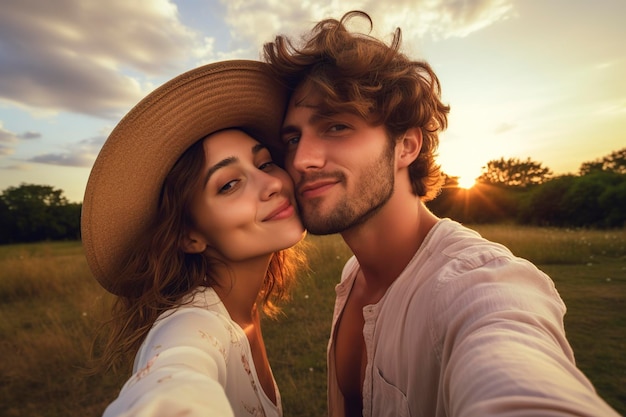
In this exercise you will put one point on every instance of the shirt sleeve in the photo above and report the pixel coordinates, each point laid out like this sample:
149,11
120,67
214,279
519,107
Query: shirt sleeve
180,369
505,352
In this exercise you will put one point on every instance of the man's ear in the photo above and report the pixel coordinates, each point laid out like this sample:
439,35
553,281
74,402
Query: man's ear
409,147
194,242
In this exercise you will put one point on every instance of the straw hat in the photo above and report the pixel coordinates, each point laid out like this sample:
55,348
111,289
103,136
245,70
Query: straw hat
123,188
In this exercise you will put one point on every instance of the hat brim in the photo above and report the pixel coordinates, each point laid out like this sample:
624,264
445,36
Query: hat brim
123,189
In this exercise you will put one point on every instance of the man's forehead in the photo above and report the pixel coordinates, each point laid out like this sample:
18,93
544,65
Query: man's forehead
305,95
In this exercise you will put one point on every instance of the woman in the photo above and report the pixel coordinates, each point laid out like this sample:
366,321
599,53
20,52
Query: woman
188,220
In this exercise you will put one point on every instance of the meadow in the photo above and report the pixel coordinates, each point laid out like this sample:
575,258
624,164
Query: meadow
51,308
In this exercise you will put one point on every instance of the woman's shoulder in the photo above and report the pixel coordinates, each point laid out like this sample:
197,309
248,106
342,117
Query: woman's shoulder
202,319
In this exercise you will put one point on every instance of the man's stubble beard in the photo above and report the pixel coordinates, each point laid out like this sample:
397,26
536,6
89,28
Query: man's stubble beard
371,194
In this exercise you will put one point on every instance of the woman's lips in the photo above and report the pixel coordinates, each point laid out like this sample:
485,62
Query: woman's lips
283,211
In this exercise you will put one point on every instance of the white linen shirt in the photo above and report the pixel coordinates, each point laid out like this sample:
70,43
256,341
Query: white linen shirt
467,329
195,361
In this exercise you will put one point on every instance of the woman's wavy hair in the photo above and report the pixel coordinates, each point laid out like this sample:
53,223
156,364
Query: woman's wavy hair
159,275
362,75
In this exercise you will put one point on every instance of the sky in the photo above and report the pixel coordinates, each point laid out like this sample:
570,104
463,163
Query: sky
539,79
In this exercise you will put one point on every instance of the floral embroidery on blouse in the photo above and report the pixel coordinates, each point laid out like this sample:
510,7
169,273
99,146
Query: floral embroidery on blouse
234,338
143,372
165,378
257,411
254,411
213,341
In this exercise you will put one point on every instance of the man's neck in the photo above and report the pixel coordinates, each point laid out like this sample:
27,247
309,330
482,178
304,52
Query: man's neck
387,242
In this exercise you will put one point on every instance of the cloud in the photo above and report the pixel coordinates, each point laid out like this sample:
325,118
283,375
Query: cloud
99,58
16,167
503,128
95,58
64,159
6,150
457,18
258,21
7,136
82,154
8,139
29,135
88,57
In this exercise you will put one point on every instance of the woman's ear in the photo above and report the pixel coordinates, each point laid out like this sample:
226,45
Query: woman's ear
194,242
409,147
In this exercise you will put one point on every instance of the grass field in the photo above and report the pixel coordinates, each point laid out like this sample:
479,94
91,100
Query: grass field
50,308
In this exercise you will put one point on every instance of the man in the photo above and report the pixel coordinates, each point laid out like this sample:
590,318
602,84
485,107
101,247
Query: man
430,319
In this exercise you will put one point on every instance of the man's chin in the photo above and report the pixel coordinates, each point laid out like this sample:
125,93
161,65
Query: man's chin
318,224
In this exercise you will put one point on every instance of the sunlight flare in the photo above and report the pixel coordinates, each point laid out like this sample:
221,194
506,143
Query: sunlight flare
466,182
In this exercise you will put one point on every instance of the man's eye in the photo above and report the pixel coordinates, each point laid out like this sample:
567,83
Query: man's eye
337,128
292,140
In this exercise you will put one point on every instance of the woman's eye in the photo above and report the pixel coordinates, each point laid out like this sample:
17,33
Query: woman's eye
228,186
267,165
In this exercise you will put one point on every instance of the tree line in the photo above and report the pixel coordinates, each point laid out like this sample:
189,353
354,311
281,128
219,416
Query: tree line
508,190
526,192
33,213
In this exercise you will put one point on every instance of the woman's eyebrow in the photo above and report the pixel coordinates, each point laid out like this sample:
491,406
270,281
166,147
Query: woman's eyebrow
229,161
221,164
258,148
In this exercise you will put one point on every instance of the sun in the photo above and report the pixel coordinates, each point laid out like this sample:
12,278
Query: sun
466,182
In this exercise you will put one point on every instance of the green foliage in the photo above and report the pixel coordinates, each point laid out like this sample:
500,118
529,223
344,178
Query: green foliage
614,162
483,203
522,191
31,213
593,200
613,202
514,172
545,205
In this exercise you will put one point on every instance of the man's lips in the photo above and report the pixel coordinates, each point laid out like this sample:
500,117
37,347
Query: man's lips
283,211
316,188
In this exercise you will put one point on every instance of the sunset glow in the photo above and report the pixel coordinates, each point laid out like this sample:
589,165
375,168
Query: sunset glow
513,92
466,182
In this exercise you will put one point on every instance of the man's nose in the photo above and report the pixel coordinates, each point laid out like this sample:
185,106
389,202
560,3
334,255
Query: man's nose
309,154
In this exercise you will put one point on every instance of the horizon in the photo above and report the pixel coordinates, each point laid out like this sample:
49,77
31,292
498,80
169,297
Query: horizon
538,80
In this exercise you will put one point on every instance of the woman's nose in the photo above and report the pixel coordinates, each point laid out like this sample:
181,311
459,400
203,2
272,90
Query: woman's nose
270,185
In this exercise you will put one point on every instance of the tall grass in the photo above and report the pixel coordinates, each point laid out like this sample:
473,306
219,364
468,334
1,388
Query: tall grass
51,307
549,246
296,343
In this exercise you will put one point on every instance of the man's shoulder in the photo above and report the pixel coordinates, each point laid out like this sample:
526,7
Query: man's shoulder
453,253
453,241
458,257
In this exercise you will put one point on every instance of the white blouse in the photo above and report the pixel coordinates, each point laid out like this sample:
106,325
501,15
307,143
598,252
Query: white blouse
195,361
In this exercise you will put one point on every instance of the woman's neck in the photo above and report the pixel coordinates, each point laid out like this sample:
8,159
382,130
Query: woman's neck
239,287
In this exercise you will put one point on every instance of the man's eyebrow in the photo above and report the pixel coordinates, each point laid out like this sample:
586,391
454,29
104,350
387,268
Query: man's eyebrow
314,118
287,129
229,161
